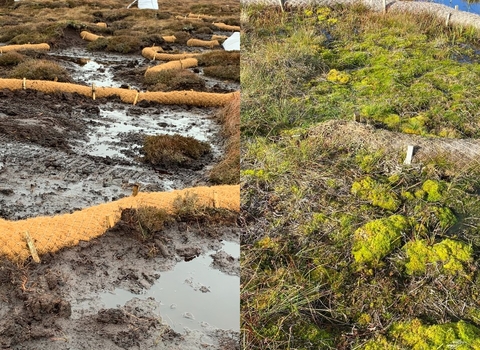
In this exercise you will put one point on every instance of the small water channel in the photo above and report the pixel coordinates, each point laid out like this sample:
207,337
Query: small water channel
192,295
467,6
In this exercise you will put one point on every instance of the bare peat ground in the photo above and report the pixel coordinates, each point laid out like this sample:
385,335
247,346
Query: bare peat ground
41,305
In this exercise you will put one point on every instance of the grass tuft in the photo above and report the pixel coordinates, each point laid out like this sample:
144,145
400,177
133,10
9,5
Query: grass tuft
173,150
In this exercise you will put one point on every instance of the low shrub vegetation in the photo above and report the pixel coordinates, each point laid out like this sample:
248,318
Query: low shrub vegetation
40,70
173,150
174,79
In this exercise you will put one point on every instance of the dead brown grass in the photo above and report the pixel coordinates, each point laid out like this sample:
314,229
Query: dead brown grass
173,150
11,58
40,70
228,170
174,79
223,72
219,58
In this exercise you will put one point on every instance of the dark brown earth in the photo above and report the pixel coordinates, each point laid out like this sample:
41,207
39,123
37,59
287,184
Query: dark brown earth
39,303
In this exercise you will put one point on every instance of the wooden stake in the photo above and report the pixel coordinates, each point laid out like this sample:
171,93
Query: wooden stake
24,84
93,91
110,221
456,7
215,199
408,159
448,19
136,99
384,6
135,189
31,246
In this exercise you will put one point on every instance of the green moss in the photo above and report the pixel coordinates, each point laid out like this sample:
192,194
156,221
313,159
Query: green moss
379,343
445,217
313,334
435,190
407,196
450,254
267,243
415,335
315,223
376,239
335,76
367,161
378,194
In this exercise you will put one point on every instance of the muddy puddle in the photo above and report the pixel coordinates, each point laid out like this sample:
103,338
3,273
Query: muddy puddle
98,68
117,130
191,296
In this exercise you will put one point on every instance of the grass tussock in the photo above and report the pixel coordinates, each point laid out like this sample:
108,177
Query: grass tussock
40,70
228,170
146,222
223,72
11,58
188,209
173,150
341,235
219,58
174,79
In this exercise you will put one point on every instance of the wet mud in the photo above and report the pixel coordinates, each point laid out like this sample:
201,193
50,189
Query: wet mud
72,298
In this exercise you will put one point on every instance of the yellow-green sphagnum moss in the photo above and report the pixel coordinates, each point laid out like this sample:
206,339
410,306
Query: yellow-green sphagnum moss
415,335
378,194
435,190
338,77
445,216
376,239
452,255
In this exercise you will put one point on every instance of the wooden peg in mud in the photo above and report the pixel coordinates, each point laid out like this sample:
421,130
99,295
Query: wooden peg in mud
215,199
93,91
110,221
31,247
24,83
136,99
135,189
448,19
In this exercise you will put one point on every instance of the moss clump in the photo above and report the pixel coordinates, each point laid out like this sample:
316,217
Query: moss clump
435,190
267,243
367,161
40,70
338,77
378,238
175,149
378,194
415,335
450,254
312,334
445,217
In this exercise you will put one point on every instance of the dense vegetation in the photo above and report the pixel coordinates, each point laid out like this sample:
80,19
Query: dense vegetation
346,246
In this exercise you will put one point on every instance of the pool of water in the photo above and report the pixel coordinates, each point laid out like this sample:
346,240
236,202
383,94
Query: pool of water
192,295
472,7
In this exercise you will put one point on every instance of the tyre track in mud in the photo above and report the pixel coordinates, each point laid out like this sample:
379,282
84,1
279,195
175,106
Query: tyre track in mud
82,180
